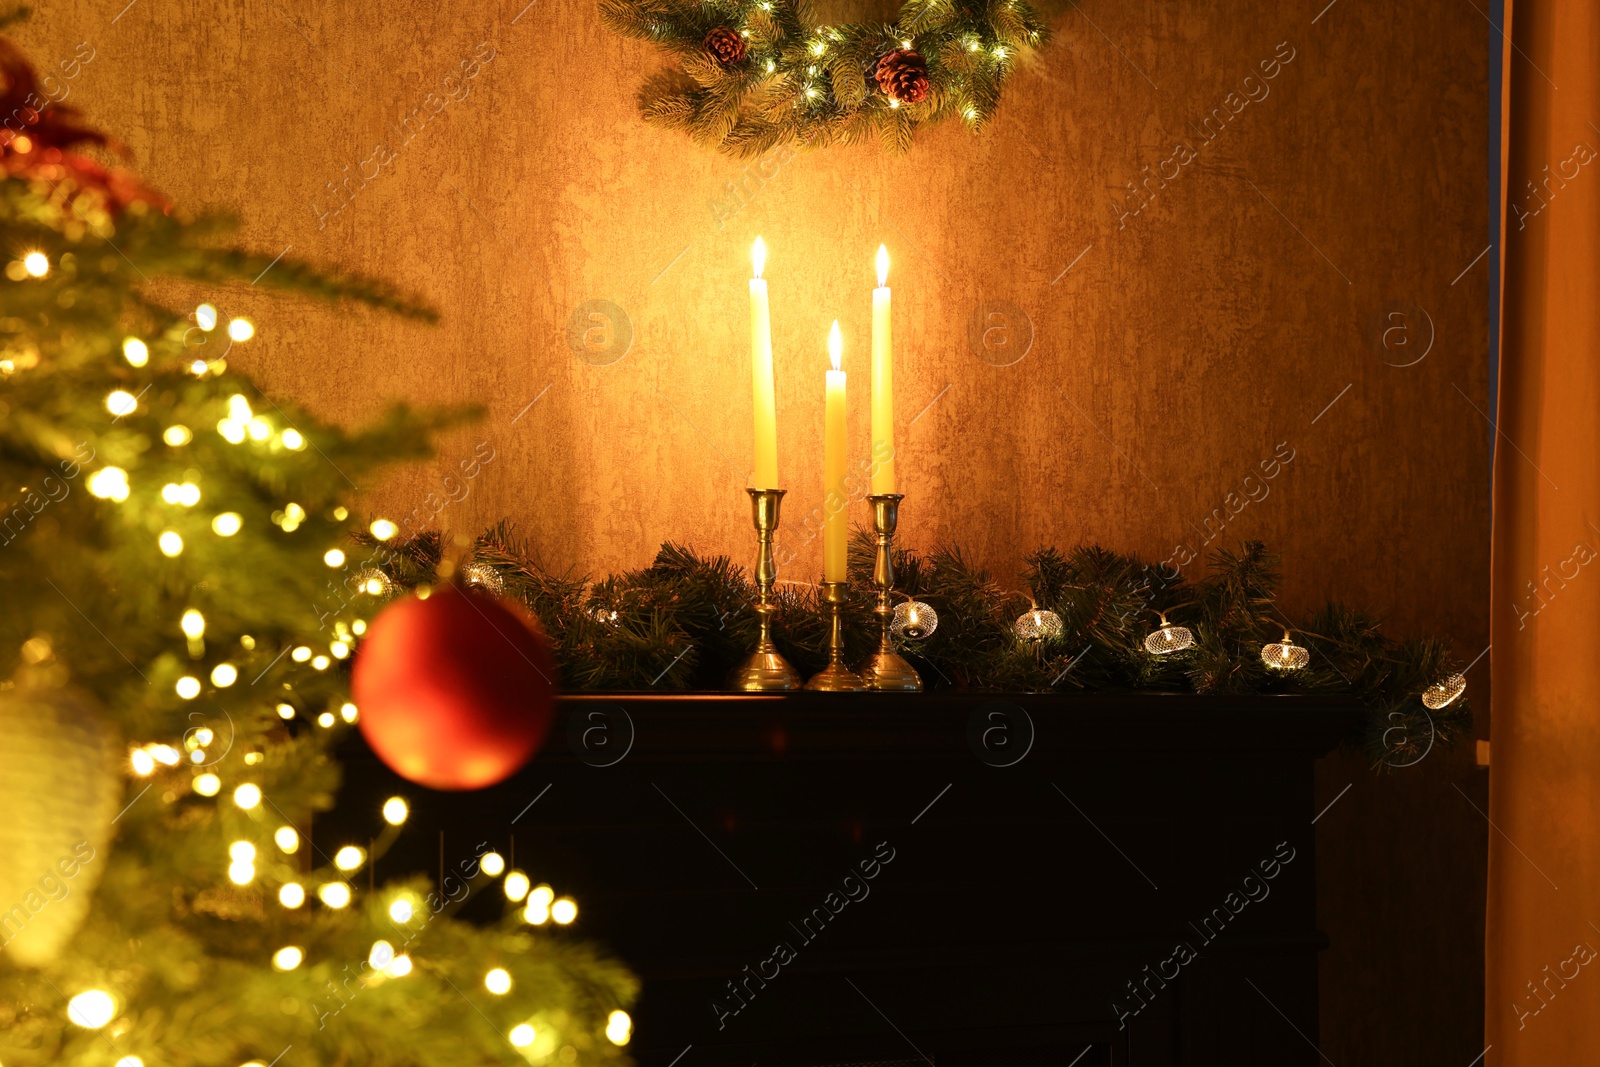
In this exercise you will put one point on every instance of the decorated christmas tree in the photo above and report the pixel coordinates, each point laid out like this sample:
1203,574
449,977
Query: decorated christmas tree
182,597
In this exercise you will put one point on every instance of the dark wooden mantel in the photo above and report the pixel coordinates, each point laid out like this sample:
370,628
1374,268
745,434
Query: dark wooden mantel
1046,850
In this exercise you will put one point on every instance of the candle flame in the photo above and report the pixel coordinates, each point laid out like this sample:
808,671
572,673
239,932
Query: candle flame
835,344
758,255
883,266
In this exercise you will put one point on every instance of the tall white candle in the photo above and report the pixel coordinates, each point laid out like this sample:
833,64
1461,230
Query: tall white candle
766,414
835,513
882,382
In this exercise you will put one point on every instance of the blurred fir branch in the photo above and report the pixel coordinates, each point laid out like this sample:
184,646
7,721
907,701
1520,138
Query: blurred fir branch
686,621
791,81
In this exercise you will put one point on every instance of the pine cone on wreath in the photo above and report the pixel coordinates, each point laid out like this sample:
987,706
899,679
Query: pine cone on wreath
726,46
903,76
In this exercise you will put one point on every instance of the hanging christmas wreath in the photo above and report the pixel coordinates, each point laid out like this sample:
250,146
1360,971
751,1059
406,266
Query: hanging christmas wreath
754,74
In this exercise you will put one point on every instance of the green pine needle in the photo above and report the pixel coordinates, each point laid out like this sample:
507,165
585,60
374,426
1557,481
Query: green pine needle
686,621
800,84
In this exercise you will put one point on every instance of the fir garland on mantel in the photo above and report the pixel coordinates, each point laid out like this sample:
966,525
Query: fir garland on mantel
755,74
683,622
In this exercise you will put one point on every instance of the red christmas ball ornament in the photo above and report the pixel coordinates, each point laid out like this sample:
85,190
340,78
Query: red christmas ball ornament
456,691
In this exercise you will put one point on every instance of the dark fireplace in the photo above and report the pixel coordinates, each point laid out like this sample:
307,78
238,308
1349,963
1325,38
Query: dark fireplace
949,880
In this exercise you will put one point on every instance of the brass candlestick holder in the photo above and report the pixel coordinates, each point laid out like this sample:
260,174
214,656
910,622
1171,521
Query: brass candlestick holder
766,671
836,677
886,669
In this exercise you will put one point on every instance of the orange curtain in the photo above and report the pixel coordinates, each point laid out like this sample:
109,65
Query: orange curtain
1543,924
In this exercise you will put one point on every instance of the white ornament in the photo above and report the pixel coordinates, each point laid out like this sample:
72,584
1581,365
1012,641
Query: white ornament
60,787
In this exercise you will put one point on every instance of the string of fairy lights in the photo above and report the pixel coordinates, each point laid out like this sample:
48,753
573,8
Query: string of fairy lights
1039,625
934,60
249,862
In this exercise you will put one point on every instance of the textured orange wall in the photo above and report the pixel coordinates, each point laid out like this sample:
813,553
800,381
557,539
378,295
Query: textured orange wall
1184,344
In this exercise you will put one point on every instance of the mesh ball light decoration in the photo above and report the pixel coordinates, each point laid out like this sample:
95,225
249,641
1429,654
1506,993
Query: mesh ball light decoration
1285,655
1168,639
913,620
1038,625
1444,693
456,689
482,576
373,582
